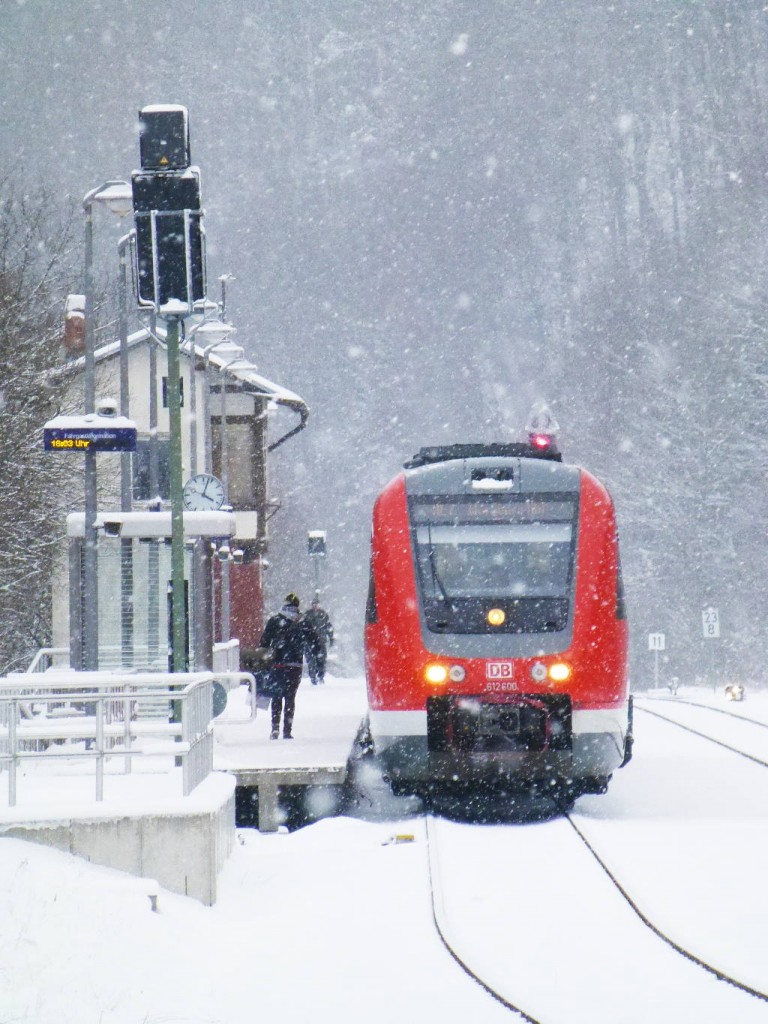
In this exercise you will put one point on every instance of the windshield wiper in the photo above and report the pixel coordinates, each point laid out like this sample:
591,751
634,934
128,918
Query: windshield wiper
436,581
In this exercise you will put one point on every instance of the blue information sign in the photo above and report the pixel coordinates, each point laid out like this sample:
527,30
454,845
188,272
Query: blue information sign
93,439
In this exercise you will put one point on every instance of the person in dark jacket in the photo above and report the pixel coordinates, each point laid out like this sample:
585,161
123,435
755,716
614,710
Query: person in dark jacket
288,635
320,621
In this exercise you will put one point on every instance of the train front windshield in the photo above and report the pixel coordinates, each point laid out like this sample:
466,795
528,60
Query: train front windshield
508,553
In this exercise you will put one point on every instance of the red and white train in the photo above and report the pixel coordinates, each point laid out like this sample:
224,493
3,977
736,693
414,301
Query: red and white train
496,635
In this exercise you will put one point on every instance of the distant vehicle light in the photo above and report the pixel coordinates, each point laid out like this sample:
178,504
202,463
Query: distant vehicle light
559,672
496,616
436,674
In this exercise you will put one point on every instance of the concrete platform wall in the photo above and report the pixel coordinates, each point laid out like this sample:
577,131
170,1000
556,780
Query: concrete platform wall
183,851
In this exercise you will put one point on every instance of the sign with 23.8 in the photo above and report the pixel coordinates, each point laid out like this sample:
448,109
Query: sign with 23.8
710,623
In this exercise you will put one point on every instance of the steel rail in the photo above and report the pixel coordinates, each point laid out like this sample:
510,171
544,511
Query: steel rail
705,736
710,968
433,868
708,707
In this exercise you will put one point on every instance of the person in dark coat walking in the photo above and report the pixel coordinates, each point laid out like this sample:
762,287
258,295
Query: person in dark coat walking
288,635
320,621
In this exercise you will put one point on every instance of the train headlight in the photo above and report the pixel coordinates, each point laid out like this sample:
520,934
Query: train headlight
496,617
436,674
457,674
559,672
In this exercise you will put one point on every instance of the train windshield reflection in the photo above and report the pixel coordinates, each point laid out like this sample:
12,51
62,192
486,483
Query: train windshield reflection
495,560
513,551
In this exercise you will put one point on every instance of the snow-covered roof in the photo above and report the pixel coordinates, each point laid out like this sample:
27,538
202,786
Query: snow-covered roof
143,523
244,371
90,421
163,108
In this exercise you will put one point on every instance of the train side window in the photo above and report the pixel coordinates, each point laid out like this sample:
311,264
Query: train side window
371,611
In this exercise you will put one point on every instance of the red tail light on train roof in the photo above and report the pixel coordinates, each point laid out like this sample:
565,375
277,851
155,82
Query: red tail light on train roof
541,441
542,429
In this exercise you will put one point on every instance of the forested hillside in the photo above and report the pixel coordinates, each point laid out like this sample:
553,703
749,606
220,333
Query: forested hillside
437,213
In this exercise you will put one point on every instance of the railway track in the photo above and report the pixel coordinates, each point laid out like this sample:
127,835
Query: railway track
744,732
444,931
593,930
707,707
566,908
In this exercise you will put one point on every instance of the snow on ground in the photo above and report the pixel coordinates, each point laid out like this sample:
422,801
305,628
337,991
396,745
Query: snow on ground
327,719
332,923
691,821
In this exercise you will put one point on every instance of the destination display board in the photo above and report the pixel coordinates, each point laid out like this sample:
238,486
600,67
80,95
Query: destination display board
90,433
94,439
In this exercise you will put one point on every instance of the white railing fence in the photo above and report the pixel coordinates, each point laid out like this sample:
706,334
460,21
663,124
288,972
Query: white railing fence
226,656
49,657
41,710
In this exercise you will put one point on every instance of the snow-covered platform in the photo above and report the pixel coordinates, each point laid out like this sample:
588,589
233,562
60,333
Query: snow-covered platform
325,726
144,826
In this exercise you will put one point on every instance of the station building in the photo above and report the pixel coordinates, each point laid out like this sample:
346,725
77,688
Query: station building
232,418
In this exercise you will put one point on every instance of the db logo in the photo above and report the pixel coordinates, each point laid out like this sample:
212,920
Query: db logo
498,670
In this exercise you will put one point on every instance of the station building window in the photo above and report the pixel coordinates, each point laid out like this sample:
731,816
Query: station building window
242,439
142,474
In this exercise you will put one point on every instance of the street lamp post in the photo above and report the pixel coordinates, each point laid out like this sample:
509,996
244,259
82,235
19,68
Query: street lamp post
235,354
179,659
126,544
153,555
123,246
316,549
200,592
224,333
224,281
170,264
192,403
211,333
117,196
225,567
224,431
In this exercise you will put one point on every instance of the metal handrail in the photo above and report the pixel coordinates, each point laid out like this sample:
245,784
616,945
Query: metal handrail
231,680
226,655
45,658
111,695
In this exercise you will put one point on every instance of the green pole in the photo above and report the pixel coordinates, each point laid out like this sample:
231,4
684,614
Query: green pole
177,501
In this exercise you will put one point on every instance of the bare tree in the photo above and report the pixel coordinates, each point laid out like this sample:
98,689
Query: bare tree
35,487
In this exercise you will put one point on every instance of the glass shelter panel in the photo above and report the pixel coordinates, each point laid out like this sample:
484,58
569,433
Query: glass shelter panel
134,579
